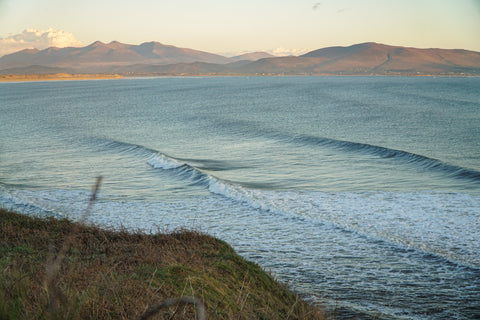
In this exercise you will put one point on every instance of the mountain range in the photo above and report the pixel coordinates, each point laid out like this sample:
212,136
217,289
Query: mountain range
154,58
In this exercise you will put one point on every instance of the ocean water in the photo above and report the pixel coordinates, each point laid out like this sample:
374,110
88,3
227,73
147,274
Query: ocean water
361,193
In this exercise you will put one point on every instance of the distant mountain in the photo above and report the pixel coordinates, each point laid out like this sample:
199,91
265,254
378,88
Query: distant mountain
371,58
153,58
383,59
99,56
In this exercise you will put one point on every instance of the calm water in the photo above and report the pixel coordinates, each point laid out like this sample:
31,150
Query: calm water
362,192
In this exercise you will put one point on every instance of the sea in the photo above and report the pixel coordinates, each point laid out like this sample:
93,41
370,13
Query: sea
360,193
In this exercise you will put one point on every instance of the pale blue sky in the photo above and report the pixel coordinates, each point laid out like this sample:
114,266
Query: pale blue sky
226,26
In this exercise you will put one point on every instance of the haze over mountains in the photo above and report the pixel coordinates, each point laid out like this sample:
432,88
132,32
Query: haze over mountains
154,58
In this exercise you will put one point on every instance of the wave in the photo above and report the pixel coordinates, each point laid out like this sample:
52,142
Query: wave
106,144
123,147
191,170
394,154
196,176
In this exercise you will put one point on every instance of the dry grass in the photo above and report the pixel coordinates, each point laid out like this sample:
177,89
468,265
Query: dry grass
106,274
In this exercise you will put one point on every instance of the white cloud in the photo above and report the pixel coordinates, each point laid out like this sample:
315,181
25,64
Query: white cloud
38,39
280,51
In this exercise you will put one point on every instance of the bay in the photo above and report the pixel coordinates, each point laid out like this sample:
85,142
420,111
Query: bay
363,193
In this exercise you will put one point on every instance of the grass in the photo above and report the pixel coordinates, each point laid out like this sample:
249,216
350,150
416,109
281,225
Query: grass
106,274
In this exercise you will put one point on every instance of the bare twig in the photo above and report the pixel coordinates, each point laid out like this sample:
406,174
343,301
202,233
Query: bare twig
54,263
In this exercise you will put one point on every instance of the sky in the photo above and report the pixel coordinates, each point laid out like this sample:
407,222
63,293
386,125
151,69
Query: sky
231,27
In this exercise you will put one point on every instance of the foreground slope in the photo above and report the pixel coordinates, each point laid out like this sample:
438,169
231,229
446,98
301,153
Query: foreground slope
120,275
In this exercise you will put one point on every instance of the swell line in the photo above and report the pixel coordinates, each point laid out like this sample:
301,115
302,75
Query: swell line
255,130
123,147
147,153
394,154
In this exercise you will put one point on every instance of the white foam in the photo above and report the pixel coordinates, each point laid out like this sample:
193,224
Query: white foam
249,197
56,202
444,224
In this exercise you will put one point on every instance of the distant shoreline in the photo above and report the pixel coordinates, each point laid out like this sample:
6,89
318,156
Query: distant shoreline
81,76
57,77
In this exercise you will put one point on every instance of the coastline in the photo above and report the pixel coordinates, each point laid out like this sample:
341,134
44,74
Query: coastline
95,76
57,77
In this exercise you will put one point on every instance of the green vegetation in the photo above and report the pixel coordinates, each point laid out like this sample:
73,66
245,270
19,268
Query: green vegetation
105,274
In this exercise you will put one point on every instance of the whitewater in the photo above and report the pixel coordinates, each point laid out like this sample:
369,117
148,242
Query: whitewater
361,193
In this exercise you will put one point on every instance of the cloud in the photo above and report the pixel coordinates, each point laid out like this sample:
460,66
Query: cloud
316,5
280,51
38,39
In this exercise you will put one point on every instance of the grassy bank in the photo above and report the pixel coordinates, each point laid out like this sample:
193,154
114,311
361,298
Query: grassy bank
120,275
